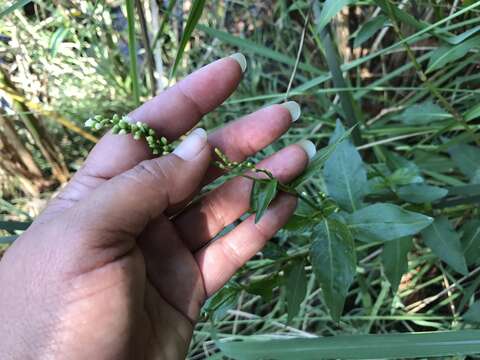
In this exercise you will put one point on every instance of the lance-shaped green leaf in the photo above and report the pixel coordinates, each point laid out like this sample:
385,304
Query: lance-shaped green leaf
384,222
446,54
423,114
334,263
296,288
330,8
473,313
421,193
395,260
369,28
320,158
263,193
345,174
445,243
466,157
457,39
223,300
471,242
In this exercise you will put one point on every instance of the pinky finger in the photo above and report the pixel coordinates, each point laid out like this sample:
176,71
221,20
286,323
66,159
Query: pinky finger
219,261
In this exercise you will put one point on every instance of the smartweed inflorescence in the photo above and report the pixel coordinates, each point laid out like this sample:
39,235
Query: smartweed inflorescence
123,125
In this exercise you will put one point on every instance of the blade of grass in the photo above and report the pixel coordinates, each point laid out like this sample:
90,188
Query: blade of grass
346,98
16,5
395,346
148,48
132,50
252,47
193,18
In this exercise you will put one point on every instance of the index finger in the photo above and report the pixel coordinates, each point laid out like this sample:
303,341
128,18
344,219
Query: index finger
170,114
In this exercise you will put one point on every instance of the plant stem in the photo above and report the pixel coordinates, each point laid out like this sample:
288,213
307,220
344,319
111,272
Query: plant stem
132,50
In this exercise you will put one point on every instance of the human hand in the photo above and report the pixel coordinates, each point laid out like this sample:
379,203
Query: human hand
119,264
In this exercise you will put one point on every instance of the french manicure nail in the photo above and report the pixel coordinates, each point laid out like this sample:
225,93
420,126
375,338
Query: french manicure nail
241,60
293,108
192,145
308,147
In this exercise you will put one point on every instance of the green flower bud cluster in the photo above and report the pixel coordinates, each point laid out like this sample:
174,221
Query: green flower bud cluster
139,130
225,163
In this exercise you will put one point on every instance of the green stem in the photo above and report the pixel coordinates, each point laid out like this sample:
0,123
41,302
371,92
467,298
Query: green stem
132,50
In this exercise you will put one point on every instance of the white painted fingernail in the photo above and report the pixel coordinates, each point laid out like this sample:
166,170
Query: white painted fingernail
192,145
308,147
293,108
241,60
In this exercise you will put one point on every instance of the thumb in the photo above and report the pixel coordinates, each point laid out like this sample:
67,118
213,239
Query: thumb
126,203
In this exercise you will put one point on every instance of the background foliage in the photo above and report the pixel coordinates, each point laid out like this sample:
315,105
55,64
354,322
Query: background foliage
392,241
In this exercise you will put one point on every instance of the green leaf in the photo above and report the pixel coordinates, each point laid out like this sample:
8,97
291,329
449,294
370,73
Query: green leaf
8,239
421,193
457,39
296,288
473,113
471,242
445,243
466,157
16,5
334,263
264,287
423,114
12,226
256,49
263,193
329,10
395,260
368,29
387,346
320,158
473,313
223,300
384,222
345,174
193,18
56,39
298,223
447,54
433,162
